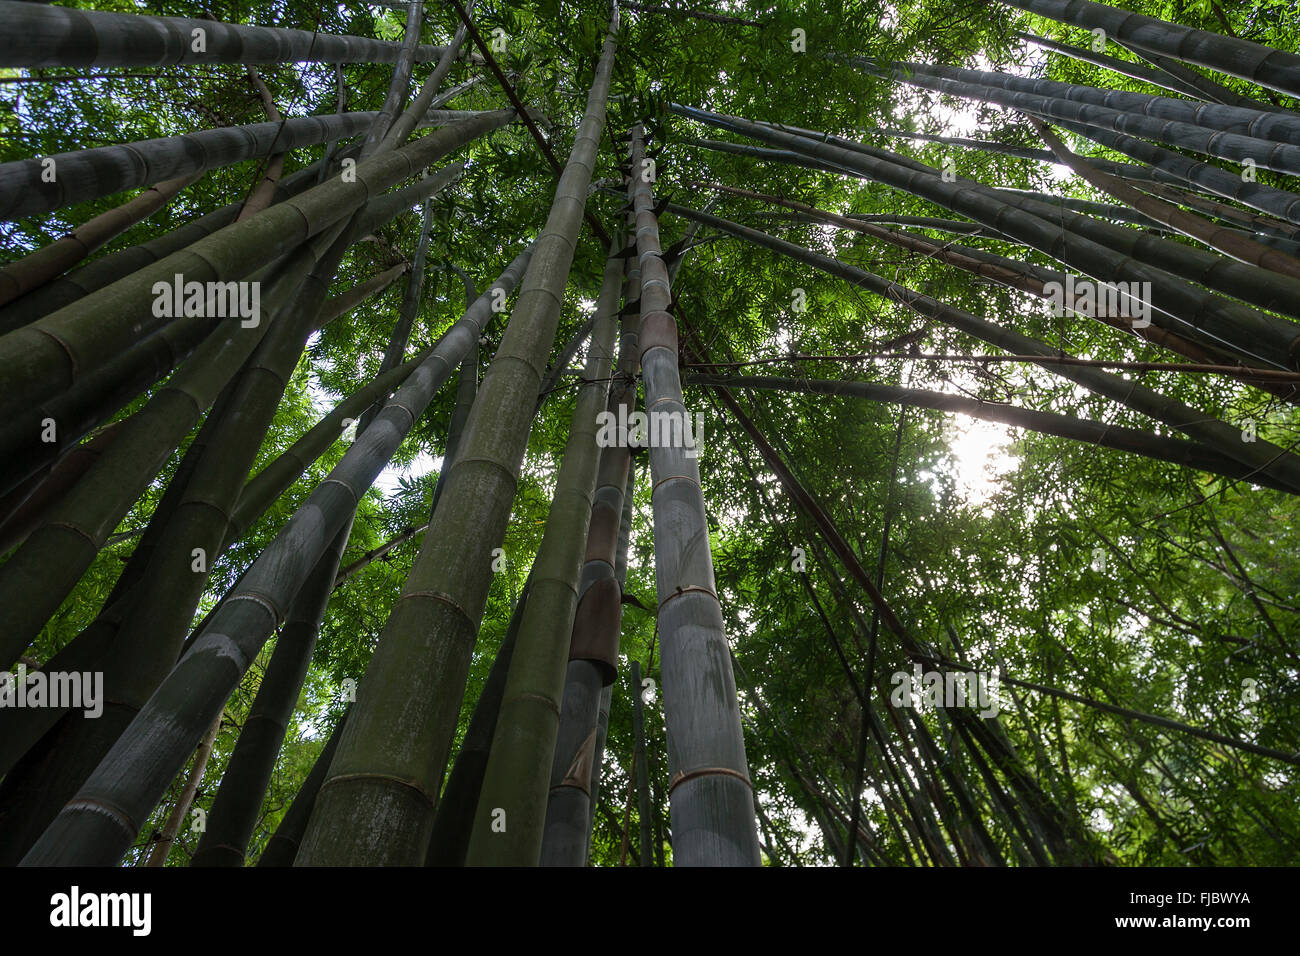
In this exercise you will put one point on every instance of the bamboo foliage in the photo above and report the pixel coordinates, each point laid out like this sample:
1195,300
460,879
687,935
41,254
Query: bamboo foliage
1272,460
1134,441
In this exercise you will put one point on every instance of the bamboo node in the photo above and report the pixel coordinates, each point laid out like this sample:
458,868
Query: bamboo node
668,478
683,776
104,808
686,590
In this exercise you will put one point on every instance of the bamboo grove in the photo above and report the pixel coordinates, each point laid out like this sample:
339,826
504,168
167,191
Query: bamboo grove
560,433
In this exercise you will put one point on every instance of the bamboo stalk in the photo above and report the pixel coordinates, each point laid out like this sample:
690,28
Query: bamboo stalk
710,790
364,814
136,771
38,36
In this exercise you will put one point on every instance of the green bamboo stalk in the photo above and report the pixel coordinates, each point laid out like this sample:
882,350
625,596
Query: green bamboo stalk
1198,84
77,412
1259,124
405,124
278,476
454,822
55,351
282,848
1014,273
519,768
167,839
593,646
163,603
39,36
1231,242
106,269
53,558
1264,227
399,85
1282,157
34,501
234,811
326,162
639,764
90,173
1172,258
606,695
466,392
1252,333
1178,259
711,796
986,146
1240,58
377,806
1217,317
1132,69
136,772
34,270
1185,171
60,551
80,411
151,625
337,306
